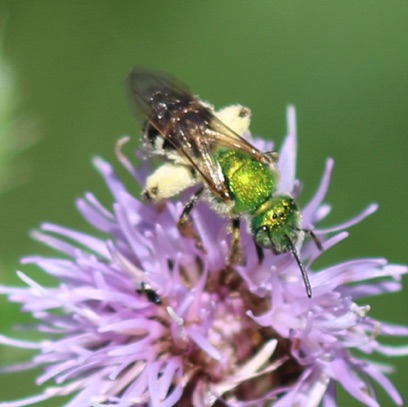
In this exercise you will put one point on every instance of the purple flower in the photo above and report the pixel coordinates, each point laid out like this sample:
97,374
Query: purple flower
140,316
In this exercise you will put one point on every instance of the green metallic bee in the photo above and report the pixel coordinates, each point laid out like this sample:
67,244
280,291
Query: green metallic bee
202,146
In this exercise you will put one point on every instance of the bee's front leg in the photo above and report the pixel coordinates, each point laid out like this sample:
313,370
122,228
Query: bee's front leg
259,252
185,225
317,241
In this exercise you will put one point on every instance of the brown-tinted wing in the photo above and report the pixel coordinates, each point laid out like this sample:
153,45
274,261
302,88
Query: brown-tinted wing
156,94
191,139
188,125
181,120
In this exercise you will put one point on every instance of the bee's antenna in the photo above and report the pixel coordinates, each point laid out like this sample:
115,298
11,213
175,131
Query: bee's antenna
301,267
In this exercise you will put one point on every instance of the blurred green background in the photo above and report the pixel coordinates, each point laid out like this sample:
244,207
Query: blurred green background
344,65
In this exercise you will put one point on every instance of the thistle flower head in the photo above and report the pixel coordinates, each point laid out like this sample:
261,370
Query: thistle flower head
141,316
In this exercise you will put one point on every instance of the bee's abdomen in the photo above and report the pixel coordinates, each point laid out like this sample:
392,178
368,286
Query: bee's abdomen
250,182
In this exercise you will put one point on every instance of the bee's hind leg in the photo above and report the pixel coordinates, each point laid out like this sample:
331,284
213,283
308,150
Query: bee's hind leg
185,225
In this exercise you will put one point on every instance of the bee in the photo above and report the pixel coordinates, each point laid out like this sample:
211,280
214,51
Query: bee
205,147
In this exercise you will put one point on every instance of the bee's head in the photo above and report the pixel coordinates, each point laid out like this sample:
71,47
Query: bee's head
276,225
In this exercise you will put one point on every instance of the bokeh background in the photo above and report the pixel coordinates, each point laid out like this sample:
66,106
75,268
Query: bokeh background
344,65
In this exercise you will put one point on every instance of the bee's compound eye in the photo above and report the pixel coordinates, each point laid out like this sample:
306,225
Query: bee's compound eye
263,237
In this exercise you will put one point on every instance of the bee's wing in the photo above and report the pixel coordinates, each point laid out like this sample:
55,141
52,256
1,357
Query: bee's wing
188,125
223,136
198,140
153,92
192,139
163,101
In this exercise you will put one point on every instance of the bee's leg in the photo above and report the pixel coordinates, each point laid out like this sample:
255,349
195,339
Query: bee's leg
317,241
235,255
185,225
260,253
273,155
